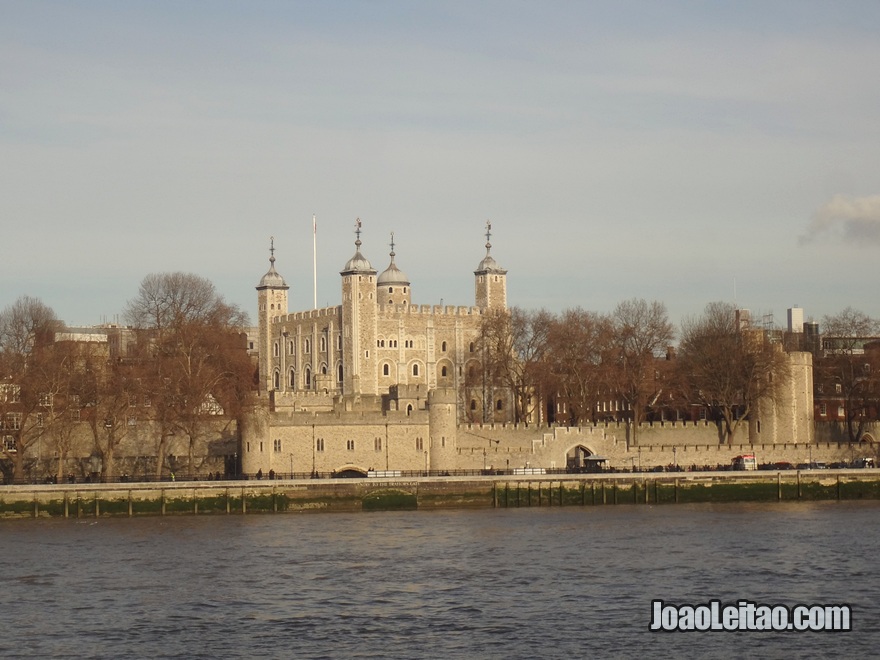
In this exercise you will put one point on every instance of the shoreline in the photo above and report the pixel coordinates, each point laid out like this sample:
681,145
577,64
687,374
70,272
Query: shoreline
427,493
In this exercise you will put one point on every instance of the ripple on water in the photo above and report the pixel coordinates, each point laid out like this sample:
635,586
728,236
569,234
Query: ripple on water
462,584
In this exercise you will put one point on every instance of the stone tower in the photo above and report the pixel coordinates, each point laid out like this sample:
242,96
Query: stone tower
359,370
491,279
272,301
442,418
393,287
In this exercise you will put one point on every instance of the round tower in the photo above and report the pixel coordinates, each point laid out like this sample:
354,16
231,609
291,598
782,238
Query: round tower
442,426
359,371
392,286
491,279
272,302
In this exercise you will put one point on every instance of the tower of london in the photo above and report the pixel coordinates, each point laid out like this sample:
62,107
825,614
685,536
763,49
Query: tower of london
372,377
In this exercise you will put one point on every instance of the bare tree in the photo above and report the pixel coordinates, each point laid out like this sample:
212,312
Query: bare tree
28,373
642,333
849,366
195,365
511,346
579,353
729,369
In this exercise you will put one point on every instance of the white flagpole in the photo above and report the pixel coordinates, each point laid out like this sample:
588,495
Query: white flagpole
315,259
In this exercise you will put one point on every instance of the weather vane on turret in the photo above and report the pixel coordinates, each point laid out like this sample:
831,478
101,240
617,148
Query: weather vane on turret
272,250
488,236
392,246
357,224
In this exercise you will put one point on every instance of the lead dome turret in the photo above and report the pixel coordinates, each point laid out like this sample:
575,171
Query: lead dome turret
358,263
393,286
272,279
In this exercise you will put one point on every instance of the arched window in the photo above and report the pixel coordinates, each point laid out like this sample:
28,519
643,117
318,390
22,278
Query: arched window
443,371
307,346
409,409
276,380
323,344
323,369
473,404
443,347
275,349
499,405
290,348
386,370
415,370
471,347
390,289
292,379
308,378
339,373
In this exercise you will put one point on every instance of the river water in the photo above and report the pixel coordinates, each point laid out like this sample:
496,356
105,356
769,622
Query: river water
513,583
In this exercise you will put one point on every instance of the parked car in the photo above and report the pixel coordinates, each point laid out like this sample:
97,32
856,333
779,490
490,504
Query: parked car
783,465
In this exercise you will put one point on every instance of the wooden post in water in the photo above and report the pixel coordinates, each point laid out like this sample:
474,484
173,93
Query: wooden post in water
130,512
779,485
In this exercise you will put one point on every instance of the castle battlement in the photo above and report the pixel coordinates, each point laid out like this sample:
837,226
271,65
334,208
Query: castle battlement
324,312
392,311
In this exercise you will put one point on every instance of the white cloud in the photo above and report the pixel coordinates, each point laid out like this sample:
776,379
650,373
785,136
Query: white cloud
854,219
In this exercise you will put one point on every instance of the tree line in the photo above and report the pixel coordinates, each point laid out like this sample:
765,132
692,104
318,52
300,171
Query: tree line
633,365
184,360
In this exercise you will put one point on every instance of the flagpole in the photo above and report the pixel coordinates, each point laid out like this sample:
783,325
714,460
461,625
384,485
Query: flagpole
315,259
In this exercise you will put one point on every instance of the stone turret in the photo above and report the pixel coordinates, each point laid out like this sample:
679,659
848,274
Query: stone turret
359,324
491,279
272,301
442,420
392,287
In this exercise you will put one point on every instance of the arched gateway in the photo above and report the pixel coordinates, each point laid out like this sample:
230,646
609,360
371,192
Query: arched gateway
582,459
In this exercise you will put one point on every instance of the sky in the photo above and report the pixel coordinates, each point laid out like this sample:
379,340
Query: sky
685,152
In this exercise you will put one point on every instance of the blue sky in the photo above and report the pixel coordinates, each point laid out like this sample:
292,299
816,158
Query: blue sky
685,152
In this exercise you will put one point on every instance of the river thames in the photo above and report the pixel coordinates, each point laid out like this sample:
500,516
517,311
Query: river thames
514,583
